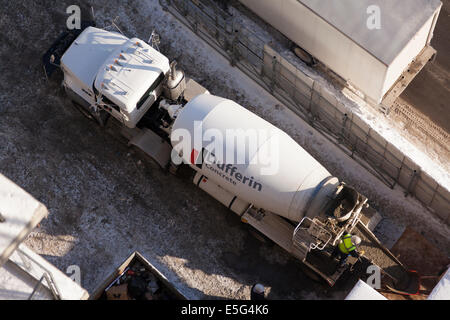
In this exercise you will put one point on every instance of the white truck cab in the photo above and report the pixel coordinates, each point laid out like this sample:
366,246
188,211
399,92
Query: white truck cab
107,70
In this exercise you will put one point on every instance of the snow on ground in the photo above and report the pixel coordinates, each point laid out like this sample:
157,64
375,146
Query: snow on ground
214,72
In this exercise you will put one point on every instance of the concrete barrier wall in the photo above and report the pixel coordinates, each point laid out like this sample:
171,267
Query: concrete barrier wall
391,164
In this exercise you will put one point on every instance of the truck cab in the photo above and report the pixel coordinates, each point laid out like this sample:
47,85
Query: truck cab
107,72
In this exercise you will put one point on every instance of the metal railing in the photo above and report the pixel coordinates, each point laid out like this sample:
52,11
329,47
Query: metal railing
46,275
309,99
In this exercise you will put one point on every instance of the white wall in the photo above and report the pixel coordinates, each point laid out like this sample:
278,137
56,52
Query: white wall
323,41
412,49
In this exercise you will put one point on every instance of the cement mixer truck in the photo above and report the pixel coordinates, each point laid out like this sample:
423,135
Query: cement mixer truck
253,168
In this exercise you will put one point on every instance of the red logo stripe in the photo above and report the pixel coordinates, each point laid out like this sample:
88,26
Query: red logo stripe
194,155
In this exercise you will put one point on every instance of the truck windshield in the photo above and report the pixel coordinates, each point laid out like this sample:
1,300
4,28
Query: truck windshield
150,90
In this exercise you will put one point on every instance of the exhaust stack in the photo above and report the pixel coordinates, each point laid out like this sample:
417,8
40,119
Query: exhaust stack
175,84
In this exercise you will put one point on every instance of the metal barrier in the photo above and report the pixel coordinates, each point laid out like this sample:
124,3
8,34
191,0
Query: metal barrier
309,100
46,275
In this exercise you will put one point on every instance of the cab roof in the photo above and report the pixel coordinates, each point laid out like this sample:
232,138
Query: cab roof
89,51
122,68
129,72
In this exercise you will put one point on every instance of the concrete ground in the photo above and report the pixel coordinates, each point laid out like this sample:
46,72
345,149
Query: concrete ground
105,201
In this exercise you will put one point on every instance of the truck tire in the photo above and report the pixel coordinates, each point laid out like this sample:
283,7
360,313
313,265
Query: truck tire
311,274
259,236
82,110
305,56
102,119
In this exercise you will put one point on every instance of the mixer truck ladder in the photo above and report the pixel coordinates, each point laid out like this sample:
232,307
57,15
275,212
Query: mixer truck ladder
311,237
308,247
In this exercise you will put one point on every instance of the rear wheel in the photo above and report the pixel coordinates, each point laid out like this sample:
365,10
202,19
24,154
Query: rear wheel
311,274
101,117
305,56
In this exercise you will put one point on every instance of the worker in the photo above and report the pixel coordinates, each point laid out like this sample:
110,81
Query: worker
347,247
257,292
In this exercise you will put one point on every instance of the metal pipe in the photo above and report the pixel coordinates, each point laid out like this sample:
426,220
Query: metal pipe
173,70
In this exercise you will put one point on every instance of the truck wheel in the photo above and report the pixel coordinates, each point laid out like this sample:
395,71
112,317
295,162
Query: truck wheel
259,236
311,274
82,110
101,118
305,56
173,169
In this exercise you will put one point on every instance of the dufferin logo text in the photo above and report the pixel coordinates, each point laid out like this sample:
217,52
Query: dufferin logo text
230,173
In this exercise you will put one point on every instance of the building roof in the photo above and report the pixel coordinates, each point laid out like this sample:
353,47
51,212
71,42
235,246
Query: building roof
21,213
34,267
400,21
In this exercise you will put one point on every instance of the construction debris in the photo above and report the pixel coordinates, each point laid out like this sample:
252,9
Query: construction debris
118,293
137,280
137,283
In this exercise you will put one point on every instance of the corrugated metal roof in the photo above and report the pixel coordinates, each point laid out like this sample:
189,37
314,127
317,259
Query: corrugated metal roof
400,21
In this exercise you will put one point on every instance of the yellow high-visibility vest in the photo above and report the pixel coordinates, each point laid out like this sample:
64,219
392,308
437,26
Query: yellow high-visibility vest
346,245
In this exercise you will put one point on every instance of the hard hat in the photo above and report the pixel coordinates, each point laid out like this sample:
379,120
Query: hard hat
356,240
259,288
